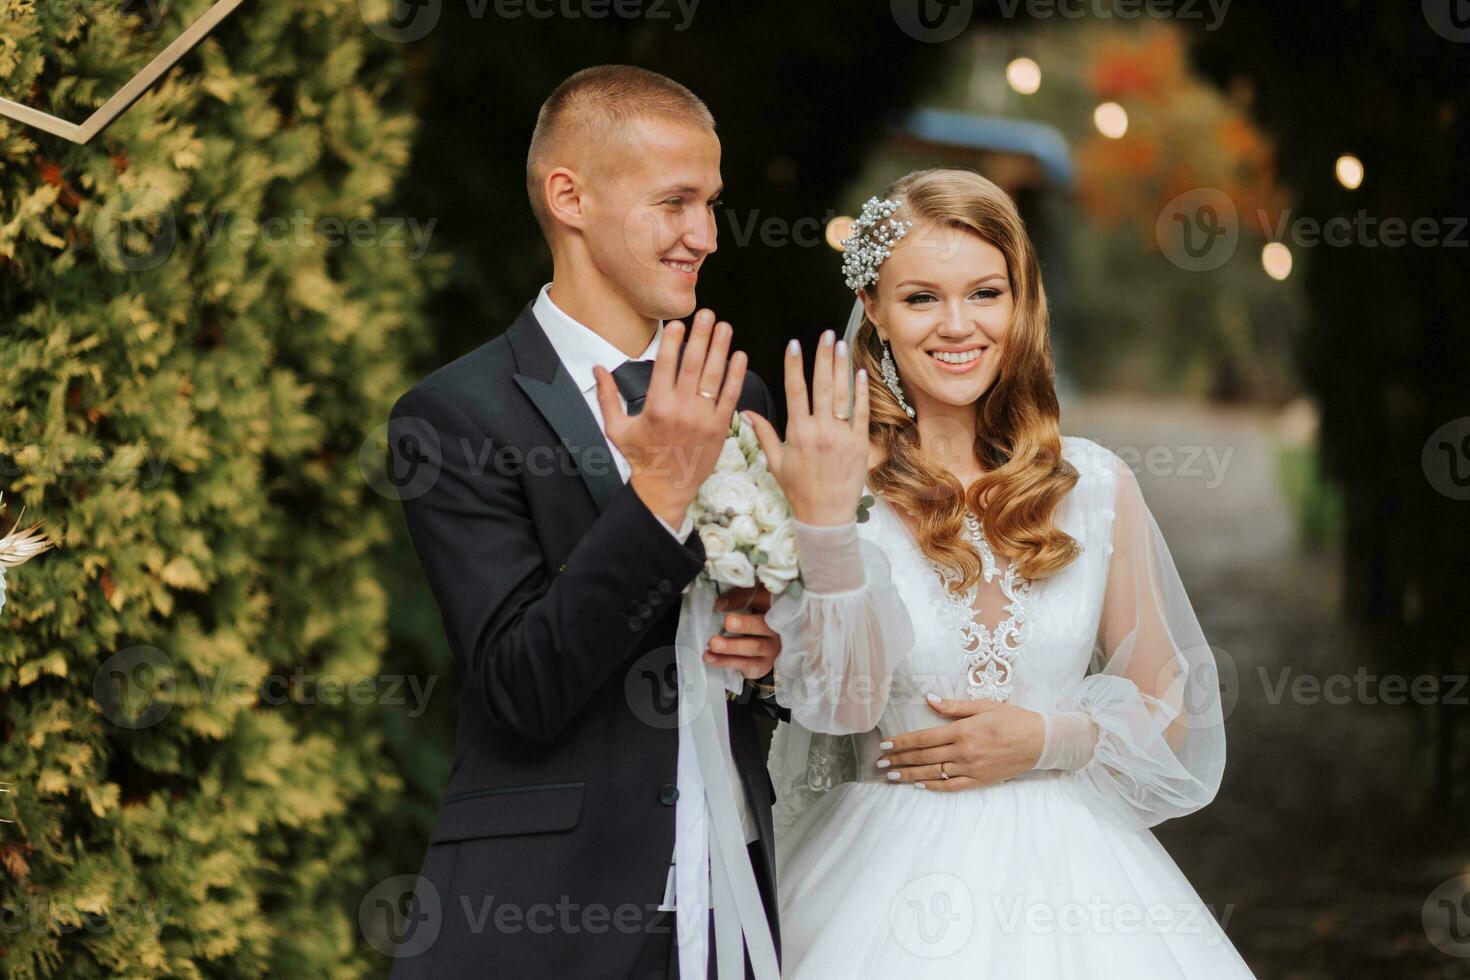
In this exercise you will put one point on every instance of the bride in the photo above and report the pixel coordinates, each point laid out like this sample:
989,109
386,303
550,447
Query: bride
959,795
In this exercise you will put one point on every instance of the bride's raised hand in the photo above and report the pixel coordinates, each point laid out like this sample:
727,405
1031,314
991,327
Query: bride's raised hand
823,462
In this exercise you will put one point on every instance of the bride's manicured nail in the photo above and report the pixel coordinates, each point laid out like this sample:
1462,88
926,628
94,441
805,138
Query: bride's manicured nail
827,337
920,786
885,745
934,698
794,347
884,763
862,376
842,348
895,776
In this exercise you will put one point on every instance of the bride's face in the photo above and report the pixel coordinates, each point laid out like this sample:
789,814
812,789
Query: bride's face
944,303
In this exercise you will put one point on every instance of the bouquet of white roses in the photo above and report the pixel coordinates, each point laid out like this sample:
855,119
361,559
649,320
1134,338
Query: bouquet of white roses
745,523
744,520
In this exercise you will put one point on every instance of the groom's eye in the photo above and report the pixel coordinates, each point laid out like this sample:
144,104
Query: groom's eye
716,202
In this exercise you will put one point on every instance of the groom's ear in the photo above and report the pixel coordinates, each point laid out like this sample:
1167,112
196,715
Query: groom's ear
563,189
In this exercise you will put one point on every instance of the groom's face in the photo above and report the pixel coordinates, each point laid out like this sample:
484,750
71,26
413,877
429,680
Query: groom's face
651,214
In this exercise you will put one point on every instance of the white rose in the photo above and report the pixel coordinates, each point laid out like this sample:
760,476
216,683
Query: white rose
771,507
728,491
779,545
717,540
732,569
774,581
745,529
732,459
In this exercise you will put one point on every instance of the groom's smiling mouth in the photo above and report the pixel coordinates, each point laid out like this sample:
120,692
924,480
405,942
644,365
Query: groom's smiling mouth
689,270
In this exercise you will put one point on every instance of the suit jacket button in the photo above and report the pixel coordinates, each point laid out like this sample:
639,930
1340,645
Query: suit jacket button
645,610
665,586
635,623
668,795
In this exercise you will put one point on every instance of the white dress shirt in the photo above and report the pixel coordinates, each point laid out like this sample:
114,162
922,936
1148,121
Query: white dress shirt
580,348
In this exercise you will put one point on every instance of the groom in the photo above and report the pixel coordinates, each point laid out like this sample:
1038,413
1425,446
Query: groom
546,476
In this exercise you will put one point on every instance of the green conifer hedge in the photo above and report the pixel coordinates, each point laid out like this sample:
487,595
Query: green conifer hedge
205,313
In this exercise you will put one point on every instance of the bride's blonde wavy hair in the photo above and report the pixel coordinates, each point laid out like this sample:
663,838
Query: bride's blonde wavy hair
1018,436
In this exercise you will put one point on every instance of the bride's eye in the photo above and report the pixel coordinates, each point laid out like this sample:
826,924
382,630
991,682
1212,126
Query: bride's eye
987,293
918,298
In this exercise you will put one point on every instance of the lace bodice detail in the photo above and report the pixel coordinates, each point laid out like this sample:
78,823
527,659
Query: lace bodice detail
989,655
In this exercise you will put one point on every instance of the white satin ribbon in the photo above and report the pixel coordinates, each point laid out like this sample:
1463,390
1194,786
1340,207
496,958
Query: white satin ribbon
720,841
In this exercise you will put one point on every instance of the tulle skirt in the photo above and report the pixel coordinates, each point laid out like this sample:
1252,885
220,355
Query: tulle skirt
1017,880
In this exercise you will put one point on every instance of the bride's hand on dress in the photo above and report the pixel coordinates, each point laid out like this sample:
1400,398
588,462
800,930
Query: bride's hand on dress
824,460
988,742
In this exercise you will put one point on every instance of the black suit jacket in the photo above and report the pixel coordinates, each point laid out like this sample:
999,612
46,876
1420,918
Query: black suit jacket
560,592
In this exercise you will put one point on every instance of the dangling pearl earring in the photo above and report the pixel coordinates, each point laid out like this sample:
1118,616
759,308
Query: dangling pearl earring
890,378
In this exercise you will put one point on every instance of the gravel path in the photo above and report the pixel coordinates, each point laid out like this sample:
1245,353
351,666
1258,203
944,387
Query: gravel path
1320,851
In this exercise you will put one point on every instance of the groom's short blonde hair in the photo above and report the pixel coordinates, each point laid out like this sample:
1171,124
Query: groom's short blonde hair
590,107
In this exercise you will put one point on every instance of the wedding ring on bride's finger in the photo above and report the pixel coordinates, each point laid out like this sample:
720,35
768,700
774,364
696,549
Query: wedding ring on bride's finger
705,394
841,418
943,774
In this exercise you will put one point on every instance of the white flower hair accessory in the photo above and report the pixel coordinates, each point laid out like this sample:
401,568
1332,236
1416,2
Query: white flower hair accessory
873,234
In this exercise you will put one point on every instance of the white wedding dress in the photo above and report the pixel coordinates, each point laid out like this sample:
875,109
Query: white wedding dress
1053,873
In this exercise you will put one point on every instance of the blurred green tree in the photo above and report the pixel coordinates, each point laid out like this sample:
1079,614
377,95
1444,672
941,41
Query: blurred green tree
206,313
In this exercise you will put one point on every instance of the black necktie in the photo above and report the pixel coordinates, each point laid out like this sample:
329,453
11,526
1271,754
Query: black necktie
632,378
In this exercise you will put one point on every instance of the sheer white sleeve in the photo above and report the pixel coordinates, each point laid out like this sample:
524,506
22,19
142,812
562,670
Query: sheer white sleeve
1145,736
842,636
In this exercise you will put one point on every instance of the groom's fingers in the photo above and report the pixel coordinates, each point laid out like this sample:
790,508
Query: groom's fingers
729,396
742,647
751,667
747,624
714,362
666,361
693,364
607,396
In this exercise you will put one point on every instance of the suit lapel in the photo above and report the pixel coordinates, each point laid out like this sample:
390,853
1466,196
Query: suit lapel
545,380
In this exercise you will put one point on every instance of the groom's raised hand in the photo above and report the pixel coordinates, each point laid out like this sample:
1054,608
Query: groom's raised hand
675,441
